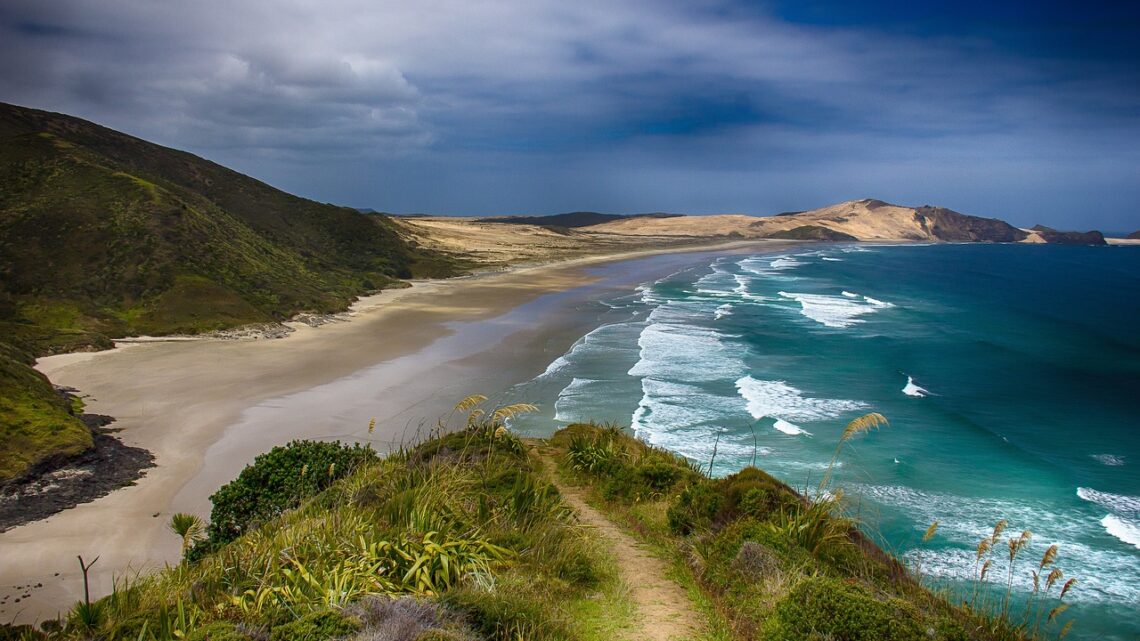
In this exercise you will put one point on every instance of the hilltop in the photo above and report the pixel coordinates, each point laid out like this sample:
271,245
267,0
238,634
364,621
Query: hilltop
867,220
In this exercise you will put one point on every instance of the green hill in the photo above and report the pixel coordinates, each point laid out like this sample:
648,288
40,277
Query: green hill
104,235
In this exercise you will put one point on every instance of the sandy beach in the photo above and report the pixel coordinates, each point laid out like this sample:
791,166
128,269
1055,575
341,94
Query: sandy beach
205,408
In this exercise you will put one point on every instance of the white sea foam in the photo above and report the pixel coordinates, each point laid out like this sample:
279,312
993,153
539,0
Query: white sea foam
789,429
685,419
569,399
722,311
1120,503
674,351
785,262
914,390
718,284
1110,460
850,294
832,260
778,268
555,366
1124,530
877,303
778,400
1107,575
834,311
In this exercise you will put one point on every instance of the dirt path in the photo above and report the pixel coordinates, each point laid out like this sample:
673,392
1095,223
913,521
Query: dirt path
664,611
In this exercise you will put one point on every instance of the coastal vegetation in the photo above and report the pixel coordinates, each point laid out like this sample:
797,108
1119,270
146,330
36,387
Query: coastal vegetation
471,535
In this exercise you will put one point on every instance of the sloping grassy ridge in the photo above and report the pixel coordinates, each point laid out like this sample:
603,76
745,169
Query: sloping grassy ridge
771,564
102,232
104,235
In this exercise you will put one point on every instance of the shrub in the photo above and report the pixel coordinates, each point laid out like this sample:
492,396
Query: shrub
754,561
695,508
658,476
315,626
217,631
278,480
597,454
826,608
405,619
509,613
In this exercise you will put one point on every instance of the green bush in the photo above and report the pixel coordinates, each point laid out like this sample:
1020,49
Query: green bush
596,454
509,613
278,480
695,508
315,626
826,608
217,631
658,476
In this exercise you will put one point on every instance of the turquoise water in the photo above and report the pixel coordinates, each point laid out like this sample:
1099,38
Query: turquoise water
1010,375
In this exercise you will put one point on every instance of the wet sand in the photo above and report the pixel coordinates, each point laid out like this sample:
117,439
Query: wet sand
205,408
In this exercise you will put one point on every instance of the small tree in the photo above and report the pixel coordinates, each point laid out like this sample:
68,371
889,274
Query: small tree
189,527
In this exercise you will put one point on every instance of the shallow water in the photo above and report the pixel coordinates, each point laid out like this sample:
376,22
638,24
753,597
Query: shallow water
1010,375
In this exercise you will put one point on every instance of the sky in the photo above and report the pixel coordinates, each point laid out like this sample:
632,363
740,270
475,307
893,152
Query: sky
1026,111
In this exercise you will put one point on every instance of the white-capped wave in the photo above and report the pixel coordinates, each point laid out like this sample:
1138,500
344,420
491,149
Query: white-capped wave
789,429
850,294
834,311
671,351
1125,530
742,289
722,311
778,400
686,419
569,399
877,303
1110,460
777,268
912,389
785,262
649,296
555,366
832,260
1120,503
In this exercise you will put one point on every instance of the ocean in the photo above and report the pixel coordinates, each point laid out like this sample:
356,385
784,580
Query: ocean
1010,375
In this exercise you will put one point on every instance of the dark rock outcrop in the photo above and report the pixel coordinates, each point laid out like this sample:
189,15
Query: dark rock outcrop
1054,237
949,225
812,232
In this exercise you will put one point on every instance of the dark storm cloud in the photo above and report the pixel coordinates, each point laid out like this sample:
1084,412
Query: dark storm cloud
1019,111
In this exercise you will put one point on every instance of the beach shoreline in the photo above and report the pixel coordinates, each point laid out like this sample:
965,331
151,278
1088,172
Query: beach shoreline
205,407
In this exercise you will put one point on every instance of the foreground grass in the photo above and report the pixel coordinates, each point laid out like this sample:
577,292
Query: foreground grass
460,538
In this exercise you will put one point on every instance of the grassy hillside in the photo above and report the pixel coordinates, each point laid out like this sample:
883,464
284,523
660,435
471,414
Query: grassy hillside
105,235
468,536
39,424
